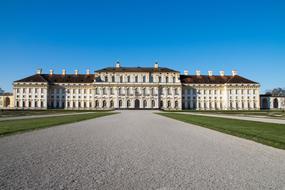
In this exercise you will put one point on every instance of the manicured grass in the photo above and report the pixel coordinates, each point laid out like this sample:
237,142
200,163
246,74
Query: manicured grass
265,133
16,113
268,113
13,126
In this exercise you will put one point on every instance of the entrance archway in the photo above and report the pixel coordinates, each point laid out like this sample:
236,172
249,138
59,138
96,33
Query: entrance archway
275,103
137,104
265,103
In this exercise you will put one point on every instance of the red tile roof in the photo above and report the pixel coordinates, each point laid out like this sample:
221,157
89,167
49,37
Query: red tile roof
59,78
215,79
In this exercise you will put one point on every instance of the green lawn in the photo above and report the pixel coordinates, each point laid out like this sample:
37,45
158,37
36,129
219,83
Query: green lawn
13,126
268,113
16,113
265,133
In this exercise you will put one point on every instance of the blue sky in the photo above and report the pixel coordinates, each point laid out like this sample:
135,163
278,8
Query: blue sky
247,35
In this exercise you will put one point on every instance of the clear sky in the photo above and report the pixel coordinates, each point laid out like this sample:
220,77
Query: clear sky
247,35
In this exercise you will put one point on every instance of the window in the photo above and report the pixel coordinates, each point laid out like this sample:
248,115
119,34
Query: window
159,79
152,103
128,103
120,103
174,79
176,104
144,78
106,78
136,79
104,103
96,104
168,104
129,78
166,79
161,104
143,91
113,78
144,103
111,103
150,78
121,79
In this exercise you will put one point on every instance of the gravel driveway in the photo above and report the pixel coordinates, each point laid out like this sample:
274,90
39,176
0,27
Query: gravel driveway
137,150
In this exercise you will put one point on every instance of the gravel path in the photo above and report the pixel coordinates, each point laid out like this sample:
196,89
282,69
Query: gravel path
137,150
247,118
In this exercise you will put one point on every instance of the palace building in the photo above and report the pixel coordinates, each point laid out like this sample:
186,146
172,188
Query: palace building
136,88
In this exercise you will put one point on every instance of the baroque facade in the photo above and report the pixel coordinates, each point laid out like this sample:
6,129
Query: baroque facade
6,101
269,101
136,88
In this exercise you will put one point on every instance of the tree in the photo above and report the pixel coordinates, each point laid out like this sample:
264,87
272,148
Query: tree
1,91
277,92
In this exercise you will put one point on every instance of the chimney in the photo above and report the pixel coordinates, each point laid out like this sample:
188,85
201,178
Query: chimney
210,73
156,65
63,72
76,72
198,72
51,72
234,72
118,64
222,73
87,71
39,71
186,72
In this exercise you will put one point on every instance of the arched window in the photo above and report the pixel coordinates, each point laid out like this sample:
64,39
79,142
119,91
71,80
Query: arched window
275,103
168,104
176,104
144,103
120,103
152,103
161,104
96,104
104,103
150,78
128,103
129,78
136,79
168,91
111,104
159,79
